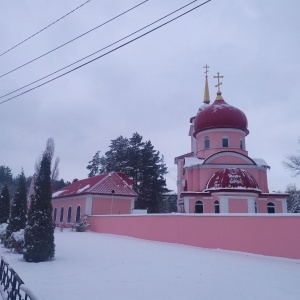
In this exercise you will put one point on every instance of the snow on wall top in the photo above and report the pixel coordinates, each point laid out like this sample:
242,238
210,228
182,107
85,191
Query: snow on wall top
261,162
192,161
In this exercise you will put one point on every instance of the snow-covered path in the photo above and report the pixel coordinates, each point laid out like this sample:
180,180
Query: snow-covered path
99,266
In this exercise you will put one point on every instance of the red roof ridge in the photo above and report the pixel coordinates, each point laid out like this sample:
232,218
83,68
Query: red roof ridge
98,182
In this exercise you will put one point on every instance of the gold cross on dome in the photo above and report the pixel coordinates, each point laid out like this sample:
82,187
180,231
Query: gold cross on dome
219,83
206,67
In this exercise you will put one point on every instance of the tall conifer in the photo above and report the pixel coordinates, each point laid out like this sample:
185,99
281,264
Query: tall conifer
140,162
18,209
39,231
4,205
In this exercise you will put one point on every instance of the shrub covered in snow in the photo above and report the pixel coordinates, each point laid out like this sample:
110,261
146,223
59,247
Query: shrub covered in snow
82,225
16,241
3,227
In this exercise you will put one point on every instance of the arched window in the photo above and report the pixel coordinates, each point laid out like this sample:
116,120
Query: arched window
217,207
206,142
78,213
61,218
199,207
54,214
271,208
225,142
69,219
256,207
241,144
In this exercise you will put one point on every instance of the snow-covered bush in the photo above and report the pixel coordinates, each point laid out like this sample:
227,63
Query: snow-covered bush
16,241
82,225
3,227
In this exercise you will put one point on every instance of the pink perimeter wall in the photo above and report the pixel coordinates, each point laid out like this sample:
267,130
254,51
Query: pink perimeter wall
273,235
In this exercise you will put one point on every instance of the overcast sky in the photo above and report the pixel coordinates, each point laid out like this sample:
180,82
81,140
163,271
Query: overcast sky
151,86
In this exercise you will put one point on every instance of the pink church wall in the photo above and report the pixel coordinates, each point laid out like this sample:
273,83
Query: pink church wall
272,235
215,138
108,205
237,205
66,203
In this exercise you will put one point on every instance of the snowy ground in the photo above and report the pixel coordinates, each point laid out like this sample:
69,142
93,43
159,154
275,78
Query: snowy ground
100,266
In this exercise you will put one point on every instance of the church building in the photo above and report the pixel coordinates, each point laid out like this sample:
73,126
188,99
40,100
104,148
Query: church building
104,194
218,175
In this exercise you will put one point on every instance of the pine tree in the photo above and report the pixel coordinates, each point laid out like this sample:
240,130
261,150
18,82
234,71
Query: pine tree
39,231
4,205
140,162
93,165
18,209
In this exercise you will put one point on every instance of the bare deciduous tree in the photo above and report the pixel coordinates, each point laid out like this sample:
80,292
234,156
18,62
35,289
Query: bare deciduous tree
292,163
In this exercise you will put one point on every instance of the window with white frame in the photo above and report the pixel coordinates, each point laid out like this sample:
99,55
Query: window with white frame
61,218
78,213
199,207
69,219
54,214
225,141
241,144
271,208
206,142
216,207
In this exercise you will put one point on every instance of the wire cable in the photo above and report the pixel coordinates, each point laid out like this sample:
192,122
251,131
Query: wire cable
98,50
62,45
90,61
45,28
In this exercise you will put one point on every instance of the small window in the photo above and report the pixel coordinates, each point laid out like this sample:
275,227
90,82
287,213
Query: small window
225,142
54,214
78,213
61,219
69,219
206,142
199,207
256,207
241,144
217,207
271,208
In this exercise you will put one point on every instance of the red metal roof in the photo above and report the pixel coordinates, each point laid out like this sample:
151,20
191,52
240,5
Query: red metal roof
100,184
232,178
220,115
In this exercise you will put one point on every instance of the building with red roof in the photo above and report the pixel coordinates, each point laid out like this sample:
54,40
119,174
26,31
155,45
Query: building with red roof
218,175
103,194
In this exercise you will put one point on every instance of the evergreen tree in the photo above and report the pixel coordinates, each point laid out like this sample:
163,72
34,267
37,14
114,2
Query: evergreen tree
93,165
4,205
39,231
18,209
140,162
5,176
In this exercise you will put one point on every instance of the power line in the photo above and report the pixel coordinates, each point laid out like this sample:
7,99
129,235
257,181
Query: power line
25,64
98,50
45,28
92,60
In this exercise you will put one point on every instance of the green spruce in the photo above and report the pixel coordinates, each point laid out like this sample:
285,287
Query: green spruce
140,162
4,205
39,231
18,209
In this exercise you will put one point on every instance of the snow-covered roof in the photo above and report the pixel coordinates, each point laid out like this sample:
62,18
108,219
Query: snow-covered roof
192,161
261,162
232,178
101,184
